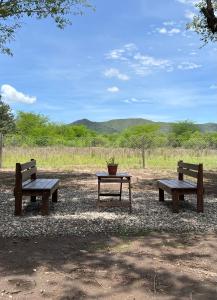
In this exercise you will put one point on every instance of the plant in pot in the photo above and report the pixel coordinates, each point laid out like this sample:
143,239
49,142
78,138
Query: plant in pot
112,166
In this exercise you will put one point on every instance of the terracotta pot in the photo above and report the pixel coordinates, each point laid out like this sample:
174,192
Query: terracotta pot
112,169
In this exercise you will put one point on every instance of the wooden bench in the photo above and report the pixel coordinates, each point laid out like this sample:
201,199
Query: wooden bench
27,184
178,188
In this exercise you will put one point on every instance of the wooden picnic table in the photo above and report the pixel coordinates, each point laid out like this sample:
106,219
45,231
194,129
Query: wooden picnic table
120,178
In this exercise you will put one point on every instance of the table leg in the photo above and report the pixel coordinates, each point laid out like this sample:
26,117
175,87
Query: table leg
130,196
120,190
98,200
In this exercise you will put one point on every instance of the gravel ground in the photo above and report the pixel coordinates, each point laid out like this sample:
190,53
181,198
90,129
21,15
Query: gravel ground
76,214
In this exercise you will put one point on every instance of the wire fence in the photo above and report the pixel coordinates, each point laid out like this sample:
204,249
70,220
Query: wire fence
133,152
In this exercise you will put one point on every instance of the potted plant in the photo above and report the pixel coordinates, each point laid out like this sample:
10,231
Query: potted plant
112,166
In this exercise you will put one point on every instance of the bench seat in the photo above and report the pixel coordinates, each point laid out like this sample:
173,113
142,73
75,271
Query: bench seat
27,184
179,187
174,184
40,185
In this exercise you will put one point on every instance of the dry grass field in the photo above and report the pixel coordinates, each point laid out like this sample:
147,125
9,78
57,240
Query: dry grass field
68,158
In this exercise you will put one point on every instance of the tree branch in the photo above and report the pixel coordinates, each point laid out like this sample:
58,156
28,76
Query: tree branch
209,14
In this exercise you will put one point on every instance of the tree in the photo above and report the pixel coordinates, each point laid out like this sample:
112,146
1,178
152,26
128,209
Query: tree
205,23
30,124
11,11
7,123
182,132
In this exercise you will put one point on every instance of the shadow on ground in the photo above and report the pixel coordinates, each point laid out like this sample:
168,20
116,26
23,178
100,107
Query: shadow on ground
158,266
148,266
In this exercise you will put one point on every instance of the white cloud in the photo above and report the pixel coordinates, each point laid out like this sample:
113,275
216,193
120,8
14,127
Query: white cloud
116,54
135,100
115,73
188,2
188,66
169,23
10,94
170,32
113,89
162,30
130,47
123,53
189,15
145,64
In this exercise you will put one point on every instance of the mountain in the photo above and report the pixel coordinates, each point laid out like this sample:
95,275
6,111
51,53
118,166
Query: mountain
117,125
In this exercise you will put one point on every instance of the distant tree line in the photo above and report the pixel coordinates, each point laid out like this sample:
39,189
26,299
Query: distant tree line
30,129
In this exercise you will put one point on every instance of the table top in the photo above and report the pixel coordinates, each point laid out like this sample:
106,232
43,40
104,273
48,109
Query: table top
118,175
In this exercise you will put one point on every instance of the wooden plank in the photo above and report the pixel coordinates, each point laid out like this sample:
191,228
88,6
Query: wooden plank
28,165
41,184
110,194
51,183
177,184
27,174
118,175
188,166
188,172
115,180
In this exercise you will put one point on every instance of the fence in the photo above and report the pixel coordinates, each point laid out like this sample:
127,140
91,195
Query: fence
134,152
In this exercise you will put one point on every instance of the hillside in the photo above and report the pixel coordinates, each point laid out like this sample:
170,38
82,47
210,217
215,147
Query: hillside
117,125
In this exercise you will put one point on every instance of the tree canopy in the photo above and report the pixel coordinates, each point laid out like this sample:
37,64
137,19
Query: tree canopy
205,23
11,11
7,123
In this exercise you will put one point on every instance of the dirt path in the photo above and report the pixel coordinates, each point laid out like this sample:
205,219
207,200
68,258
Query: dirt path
155,266
152,266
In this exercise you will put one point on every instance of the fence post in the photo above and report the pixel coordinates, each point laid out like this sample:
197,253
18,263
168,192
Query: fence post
143,152
1,150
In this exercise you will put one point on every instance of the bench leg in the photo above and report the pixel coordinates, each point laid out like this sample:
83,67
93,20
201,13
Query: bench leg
55,196
181,197
199,202
130,196
45,204
175,202
33,198
161,195
18,204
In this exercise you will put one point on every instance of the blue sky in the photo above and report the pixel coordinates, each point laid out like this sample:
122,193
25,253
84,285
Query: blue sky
130,58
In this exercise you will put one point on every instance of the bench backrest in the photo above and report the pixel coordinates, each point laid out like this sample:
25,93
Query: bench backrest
24,172
192,170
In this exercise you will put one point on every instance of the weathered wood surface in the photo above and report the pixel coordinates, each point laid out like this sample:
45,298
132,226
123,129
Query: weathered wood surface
26,183
40,185
178,184
178,188
119,178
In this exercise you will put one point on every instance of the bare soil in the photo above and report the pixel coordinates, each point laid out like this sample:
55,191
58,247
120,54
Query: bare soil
151,265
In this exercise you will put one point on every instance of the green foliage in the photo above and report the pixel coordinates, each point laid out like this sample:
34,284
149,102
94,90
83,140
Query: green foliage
111,161
147,136
7,123
11,11
205,23
36,130
182,132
